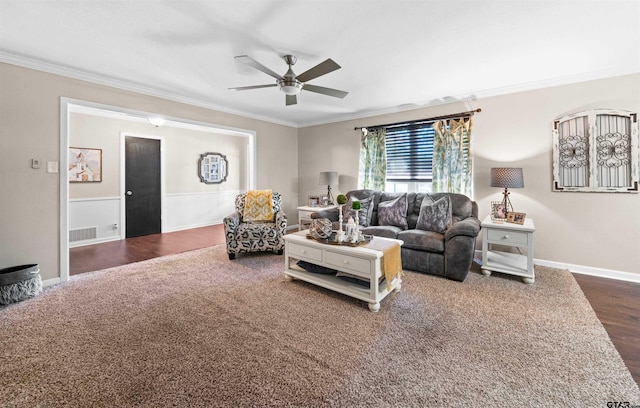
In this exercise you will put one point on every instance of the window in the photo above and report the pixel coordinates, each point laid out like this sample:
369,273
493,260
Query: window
409,157
596,150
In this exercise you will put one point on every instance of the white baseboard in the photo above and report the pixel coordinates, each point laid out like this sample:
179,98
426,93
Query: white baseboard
198,225
588,270
50,282
585,270
94,241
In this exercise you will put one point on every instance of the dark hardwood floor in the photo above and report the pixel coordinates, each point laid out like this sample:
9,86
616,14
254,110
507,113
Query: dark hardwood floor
101,256
616,303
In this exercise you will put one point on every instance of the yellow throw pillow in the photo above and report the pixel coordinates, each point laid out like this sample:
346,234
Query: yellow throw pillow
258,205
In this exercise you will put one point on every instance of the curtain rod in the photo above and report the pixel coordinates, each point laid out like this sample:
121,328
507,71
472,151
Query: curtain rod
452,116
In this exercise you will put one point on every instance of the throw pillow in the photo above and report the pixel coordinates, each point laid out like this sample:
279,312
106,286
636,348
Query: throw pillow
364,214
394,212
258,206
435,216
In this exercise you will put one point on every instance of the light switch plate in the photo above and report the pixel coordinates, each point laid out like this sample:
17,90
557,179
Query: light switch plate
52,167
35,163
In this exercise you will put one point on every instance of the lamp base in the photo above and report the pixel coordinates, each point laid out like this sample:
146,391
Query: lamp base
506,202
329,194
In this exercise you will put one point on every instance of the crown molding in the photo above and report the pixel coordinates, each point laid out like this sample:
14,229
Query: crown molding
474,95
73,73
99,79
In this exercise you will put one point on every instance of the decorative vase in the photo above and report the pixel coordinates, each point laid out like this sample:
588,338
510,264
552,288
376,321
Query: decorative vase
320,228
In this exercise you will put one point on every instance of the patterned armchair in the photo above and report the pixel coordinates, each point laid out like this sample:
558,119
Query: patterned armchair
255,236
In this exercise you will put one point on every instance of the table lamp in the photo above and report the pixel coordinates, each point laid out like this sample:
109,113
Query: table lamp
328,178
507,177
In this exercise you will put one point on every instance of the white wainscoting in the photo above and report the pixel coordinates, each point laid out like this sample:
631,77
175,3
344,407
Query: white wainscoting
101,212
182,211
193,210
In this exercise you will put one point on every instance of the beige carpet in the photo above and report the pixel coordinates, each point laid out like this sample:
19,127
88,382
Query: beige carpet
196,329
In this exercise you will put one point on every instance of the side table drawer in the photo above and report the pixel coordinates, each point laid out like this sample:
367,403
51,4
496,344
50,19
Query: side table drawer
307,252
305,214
358,266
508,237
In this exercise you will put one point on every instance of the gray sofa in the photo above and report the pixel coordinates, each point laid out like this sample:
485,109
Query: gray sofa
448,253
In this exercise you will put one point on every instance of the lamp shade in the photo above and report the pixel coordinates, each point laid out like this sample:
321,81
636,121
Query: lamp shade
507,177
328,178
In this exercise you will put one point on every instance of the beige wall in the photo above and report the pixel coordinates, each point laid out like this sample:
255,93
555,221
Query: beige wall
599,230
591,229
182,151
30,128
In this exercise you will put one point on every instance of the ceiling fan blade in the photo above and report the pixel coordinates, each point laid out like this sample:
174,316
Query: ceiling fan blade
322,68
250,61
244,88
291,100
325,91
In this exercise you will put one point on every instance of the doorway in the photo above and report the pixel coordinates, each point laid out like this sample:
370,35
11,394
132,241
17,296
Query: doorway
69,106
143,186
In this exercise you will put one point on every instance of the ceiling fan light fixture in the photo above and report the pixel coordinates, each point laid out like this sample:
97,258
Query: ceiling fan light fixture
156,120
290,86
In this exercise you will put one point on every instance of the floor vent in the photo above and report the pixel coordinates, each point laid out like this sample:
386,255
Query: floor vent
82,234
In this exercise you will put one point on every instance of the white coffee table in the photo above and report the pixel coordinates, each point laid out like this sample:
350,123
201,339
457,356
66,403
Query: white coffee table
357,260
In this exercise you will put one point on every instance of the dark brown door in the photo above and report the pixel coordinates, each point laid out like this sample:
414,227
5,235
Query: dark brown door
142,186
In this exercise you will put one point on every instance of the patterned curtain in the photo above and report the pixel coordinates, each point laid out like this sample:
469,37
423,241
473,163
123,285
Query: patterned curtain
373,160
452,156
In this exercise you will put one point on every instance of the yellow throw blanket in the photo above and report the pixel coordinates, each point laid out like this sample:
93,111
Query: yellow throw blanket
391,260
258,206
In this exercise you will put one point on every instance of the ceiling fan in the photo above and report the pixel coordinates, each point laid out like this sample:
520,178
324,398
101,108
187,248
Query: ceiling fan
291,84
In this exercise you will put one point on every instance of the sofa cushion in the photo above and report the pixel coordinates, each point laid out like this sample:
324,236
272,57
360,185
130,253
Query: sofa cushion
393,212
435,216
386,231
364,214
422,240
256,231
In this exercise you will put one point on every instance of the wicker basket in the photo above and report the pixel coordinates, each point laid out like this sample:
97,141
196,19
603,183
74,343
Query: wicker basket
18,283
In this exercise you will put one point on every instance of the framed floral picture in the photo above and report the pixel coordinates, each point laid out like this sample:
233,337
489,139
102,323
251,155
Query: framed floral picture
498,212
84,165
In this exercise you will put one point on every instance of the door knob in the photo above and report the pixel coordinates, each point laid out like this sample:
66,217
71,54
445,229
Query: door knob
129,192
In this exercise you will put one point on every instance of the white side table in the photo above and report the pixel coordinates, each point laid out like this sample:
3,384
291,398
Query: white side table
508,234
304,214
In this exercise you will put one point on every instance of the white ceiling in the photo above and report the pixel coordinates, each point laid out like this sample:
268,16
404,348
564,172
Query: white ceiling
395,55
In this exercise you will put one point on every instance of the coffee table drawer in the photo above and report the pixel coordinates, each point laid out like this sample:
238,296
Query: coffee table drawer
304,251
357,265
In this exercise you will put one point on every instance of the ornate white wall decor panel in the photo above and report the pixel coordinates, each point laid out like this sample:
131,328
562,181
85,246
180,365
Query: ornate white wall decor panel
596,151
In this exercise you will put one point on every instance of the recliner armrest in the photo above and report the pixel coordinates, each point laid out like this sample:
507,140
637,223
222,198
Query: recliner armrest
470,227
